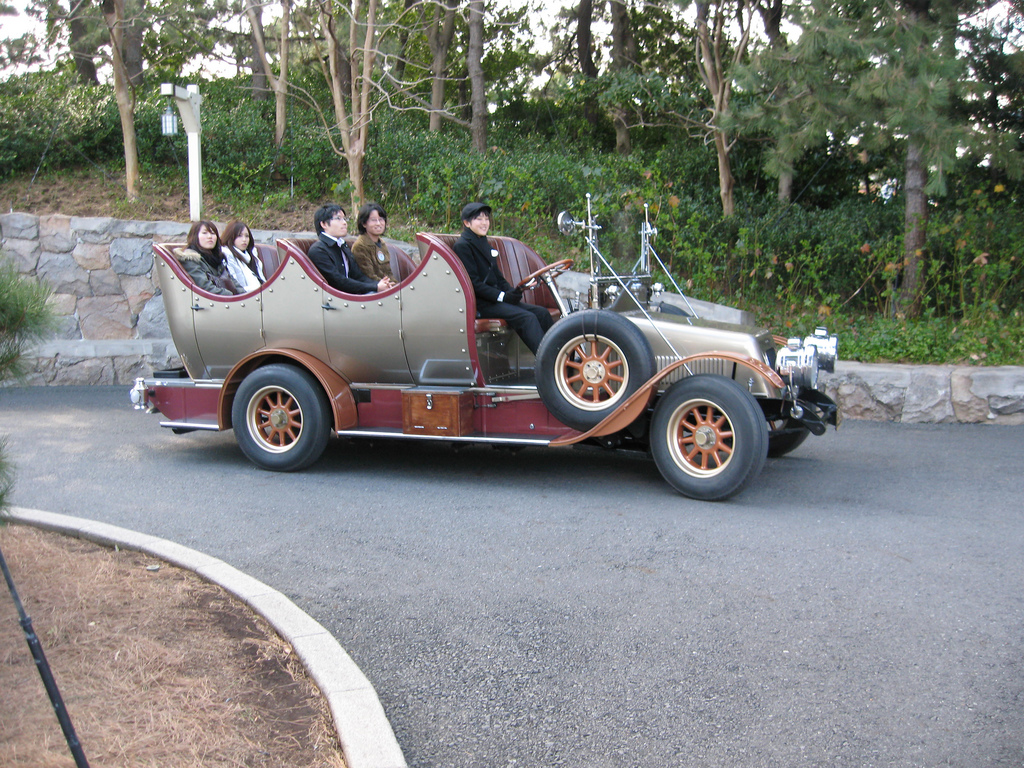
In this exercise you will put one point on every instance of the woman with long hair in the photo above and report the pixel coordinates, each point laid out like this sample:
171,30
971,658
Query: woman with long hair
203,260
241,257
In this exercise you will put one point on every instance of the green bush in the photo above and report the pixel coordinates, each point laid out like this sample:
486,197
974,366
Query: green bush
833,256
47,121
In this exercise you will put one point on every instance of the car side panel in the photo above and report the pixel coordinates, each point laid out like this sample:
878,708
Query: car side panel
438,319
227,328
178,300
364,336
292,313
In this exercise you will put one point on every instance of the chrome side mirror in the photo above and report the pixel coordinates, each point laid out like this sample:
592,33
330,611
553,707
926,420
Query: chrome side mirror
566,224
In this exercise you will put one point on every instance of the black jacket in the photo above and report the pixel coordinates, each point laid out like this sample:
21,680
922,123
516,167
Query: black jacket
481,262
327,256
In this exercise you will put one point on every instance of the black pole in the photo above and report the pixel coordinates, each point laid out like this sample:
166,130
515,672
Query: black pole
44,672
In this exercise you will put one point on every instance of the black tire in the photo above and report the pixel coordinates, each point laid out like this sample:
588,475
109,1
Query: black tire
588,364
790,436
709,437
281,418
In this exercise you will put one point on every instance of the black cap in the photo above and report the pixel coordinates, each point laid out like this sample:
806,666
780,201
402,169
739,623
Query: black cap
472,210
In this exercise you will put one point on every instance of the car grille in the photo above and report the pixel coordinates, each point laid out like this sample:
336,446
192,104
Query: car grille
713,365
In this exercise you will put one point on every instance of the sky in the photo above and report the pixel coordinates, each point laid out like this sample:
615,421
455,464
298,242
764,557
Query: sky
16,26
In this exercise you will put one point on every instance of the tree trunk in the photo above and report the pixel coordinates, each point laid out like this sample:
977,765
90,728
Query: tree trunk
82,51
439,35
623,60
279,83
354,126
474,64
771,16
726,182
361,96
113,14
785,191
915,231
260,73
134,29
585,53
715,57
403,43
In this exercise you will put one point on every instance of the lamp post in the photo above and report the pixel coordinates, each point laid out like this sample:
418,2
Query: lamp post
188,101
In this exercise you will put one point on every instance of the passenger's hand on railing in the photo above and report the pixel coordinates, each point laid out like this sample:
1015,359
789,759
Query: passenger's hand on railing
385,284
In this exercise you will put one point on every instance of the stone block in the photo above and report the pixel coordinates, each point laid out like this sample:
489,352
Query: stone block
138,290
93,229
928,399
55,234
63,274
101,225
152,323
163,360
66,327
62,303
105,282
168,231
128,369
105,317
43,368
988,394
132,255
81,371
871,392
24,254
21,226
92,255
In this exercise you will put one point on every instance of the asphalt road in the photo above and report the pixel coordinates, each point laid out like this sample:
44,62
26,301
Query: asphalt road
860,605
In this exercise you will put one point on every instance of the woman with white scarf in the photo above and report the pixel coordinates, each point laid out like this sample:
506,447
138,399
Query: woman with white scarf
240,255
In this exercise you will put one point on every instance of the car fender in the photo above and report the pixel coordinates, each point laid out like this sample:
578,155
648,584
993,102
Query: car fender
339,393
631,410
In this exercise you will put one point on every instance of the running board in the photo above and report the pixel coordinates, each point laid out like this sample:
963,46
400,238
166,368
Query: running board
474,438
190,425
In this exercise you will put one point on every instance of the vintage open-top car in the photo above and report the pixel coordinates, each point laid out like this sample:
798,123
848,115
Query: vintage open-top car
296,361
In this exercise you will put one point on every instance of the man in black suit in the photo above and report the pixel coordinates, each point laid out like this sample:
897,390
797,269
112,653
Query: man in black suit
495,296
331,255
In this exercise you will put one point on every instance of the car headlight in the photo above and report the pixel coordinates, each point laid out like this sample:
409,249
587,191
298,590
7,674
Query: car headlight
798,364
827,346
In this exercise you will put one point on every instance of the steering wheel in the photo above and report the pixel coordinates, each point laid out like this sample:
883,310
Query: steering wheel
555,269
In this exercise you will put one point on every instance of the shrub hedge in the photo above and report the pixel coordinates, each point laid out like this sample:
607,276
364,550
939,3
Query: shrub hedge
835,253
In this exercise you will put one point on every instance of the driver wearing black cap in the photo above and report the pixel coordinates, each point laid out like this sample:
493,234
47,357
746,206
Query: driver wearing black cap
495,296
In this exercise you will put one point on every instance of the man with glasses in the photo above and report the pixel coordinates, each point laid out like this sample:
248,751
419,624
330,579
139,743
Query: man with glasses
331,255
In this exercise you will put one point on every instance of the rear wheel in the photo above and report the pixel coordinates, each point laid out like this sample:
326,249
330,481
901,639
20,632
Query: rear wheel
588,364
709,437
281,418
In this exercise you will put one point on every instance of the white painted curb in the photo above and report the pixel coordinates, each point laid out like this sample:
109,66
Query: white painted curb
367,739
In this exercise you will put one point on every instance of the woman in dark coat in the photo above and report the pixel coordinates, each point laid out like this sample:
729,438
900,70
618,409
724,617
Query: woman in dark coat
203,260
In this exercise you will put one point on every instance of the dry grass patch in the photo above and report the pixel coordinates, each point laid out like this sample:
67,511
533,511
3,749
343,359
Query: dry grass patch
156,667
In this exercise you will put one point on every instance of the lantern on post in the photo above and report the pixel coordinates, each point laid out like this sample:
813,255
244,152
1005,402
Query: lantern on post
169,122
188,101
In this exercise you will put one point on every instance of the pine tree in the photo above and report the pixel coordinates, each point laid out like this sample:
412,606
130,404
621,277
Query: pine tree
883,74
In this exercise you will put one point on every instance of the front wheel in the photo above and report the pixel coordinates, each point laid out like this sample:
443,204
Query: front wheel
281,418
709,437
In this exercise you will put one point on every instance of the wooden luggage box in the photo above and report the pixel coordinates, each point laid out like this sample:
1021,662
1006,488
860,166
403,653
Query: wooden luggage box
437,412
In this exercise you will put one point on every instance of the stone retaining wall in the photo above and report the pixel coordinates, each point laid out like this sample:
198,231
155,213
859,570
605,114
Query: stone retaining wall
112,326
111,321
935,394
